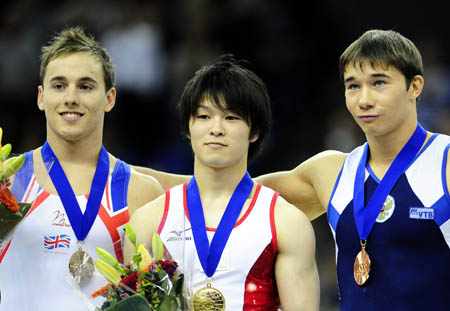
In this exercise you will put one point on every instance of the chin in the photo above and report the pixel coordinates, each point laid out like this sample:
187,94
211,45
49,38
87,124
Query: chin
371,129
217,163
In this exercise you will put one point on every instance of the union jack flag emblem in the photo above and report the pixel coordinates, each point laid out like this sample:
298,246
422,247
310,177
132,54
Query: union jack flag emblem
56,241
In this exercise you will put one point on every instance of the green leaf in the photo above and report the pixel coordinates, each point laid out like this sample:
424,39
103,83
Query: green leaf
133,303
157,247
137,258
11,166
130,234
9,220
24,208
5,151
168,304
178,285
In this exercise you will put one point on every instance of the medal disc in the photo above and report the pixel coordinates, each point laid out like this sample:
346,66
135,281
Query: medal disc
209,299
81,266
361,268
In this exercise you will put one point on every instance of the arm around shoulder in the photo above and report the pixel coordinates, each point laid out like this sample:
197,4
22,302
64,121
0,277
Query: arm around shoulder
167,180
309,185
141,190
295,267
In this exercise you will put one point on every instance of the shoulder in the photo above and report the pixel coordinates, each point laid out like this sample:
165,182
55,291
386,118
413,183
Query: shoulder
292,222
142,189
287,213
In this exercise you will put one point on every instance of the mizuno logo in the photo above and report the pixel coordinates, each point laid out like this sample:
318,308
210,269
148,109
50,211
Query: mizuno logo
178,233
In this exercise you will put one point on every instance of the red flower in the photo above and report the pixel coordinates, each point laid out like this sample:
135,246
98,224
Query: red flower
130,281
8,199
168,266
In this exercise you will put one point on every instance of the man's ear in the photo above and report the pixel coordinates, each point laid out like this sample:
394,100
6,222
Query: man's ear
110,99
254,138
416,86
39,98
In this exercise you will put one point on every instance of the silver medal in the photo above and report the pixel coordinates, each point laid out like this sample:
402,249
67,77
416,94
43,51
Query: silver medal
81,267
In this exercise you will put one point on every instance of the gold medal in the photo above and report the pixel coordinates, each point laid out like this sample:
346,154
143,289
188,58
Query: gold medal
361,268
209,299
81,266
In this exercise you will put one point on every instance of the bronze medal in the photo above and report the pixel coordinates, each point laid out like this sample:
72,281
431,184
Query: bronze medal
361,267
209,299
81,266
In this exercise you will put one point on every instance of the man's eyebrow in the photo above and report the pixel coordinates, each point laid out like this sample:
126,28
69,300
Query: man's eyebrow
201,106
349,79
88,79
58,78
374,75
380,75
83,79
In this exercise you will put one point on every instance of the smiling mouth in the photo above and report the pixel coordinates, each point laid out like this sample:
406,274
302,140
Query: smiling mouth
71,115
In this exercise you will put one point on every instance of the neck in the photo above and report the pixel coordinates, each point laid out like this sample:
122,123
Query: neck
84,151
218,182
384,148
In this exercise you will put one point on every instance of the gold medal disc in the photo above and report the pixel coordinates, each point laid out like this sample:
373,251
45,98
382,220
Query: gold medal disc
82,267
209,299
361,268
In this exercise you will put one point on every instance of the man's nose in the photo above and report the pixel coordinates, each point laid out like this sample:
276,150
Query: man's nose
71,96
366,100
217,127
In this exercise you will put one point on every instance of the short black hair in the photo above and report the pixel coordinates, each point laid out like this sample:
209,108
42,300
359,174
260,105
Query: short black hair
232,87
384,47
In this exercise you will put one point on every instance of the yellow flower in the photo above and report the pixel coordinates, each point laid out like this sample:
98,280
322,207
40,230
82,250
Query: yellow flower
108,272
145,255
109,259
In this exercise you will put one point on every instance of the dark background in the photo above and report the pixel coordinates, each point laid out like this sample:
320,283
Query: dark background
293,46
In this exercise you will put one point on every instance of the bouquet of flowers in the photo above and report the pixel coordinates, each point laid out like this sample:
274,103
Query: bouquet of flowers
144,284
11,212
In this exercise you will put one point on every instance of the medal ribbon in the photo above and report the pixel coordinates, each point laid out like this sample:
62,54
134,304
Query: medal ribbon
365,216
209,255
81,223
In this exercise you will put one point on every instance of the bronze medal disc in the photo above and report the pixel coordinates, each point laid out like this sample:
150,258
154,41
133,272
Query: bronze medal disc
209,299
361,268
82,267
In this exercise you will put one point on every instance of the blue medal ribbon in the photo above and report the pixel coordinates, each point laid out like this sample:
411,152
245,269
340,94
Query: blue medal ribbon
209,255
81,223
365,216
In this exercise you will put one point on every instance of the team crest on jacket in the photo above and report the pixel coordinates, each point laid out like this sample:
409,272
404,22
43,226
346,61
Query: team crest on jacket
387,210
